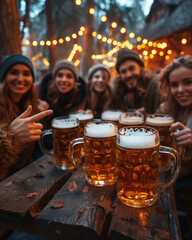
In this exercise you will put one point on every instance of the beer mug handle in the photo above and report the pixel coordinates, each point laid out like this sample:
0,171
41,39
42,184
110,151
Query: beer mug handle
72,145
176,165
41,143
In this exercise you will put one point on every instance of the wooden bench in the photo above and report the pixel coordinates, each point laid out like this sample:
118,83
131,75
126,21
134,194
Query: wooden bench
41,199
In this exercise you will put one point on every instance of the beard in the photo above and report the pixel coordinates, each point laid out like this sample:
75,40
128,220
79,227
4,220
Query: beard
131,83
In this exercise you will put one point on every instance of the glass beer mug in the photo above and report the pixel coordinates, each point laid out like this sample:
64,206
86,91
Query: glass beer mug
83,117
162,123
138,168
111,115
131,118
100,152
64,129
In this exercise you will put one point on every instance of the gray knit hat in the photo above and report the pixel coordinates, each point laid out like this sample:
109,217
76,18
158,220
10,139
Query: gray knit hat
68,65
126,54
95,68
11,60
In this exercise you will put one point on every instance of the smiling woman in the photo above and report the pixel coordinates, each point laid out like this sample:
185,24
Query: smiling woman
66,92
18,130
99,94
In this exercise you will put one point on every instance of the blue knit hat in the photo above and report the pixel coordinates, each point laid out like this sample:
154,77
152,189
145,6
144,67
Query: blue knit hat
11,60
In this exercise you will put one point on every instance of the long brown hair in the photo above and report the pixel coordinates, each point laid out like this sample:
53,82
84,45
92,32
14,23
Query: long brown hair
171,106
94,98
9,110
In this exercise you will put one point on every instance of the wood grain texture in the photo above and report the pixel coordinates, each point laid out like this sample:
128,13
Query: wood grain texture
82,217
158,221
14,190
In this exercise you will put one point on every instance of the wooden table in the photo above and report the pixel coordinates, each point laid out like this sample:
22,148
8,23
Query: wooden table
29,202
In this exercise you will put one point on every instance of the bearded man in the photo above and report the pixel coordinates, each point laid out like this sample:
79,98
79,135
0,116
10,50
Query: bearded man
134,88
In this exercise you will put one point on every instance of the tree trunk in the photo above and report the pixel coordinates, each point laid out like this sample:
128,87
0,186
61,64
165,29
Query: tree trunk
51,34
87,52
10,40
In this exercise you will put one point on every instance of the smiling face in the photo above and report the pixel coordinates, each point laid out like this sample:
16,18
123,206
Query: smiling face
180,81
65,80
100,80
19,80
129,72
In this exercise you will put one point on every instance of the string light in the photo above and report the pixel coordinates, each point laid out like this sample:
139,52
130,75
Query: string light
61,40
78,2
92,11
184,41
113,24
103,18
123,30
132,35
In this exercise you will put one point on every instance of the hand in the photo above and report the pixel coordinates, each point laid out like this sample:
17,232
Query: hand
42,105
24,127
181,133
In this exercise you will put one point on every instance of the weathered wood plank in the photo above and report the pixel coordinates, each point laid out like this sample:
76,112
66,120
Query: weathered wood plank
155,222
40,179
81,217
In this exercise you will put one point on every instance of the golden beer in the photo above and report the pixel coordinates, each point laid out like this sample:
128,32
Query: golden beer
137,164
83,118
131,118
162,123
100,153
64,130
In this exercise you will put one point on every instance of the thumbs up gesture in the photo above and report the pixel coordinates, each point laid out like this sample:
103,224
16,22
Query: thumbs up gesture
25,128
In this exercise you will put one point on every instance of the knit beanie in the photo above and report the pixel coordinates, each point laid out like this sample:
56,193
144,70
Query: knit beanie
68,65
127,54
11,60
95,68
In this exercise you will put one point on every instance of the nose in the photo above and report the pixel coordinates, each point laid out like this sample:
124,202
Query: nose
180,88
20,77
128,74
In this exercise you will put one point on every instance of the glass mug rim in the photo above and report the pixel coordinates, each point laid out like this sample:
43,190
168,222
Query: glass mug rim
127,113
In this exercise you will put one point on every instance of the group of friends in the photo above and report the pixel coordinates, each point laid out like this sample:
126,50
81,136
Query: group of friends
26,108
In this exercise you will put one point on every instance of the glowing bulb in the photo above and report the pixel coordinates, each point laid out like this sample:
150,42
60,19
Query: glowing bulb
113,24
123,30
103,18
91,11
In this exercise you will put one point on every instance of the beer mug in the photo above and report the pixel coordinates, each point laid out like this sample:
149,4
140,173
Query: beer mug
138,168
131,118
100,152
64,129
111,115
162,123
83,117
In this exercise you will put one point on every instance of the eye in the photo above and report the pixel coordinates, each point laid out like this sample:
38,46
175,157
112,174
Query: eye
188,82
13,72
60,75
27,74
173,85
69,76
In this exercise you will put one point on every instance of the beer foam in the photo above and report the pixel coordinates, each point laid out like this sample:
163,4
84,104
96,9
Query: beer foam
137,139
111,115
101,130
64,123
131,120
82,116
160,121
